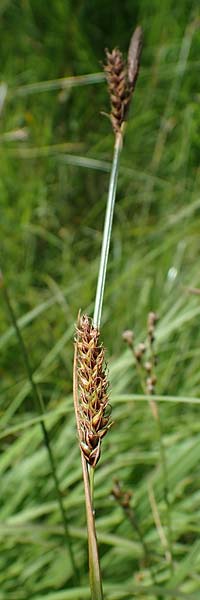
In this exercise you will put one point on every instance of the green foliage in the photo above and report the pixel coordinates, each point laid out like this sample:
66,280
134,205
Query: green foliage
53,192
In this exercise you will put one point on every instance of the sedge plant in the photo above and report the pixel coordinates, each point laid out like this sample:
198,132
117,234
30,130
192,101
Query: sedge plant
146,369
90,382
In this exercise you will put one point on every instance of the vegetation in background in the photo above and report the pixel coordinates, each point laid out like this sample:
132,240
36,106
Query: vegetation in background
55,164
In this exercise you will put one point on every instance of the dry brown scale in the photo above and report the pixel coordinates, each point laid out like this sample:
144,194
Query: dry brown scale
94,419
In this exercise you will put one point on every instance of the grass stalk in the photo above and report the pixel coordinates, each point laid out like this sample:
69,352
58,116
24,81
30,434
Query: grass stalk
39,405
156,414
165,489
107,232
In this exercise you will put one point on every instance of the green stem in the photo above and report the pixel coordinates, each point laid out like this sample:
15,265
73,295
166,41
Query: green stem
107,232
166,490
91,475
164,468
41,411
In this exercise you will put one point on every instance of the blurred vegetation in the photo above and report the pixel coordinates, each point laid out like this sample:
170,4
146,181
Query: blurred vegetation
56,152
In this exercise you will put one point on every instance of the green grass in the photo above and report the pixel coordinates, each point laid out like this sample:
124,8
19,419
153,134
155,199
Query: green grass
53,193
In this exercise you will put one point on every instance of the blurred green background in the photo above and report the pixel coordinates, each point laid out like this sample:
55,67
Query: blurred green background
56,153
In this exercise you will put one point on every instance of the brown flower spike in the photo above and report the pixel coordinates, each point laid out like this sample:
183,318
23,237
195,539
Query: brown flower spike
93,413
122,77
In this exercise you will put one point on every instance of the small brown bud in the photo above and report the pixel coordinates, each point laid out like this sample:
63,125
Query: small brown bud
128,336
138,354
150,385
153,317
123,497
148,366
126,497
139,351
151,382
142,347
116,490
152,320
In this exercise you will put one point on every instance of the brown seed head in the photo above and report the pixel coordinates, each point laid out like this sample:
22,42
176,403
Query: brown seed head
121,77
93,390
139,351
117,78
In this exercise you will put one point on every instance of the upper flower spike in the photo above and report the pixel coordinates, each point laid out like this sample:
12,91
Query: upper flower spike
121,77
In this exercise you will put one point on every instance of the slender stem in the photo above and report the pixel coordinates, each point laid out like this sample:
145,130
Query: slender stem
157,520
166,490
156,414
91,474
107,232
164,467
41,410
94,565
133,521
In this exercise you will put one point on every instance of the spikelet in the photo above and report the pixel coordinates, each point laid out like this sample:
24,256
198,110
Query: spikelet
121,77
93,413
117,78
